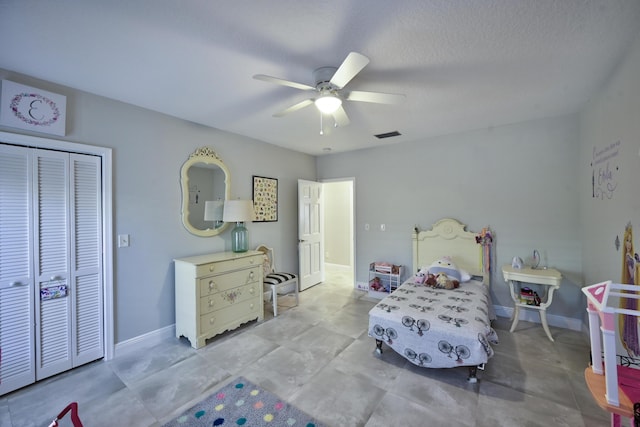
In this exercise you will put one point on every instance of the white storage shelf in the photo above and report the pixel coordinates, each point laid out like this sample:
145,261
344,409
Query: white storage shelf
388,278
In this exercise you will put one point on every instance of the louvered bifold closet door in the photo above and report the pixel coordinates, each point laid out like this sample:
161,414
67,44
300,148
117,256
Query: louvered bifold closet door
86,259
17,351
52,249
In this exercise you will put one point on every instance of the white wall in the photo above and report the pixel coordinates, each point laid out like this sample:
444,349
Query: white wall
520,179
612,116
148,151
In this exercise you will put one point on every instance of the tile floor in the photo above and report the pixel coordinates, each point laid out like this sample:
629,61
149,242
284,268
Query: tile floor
318,357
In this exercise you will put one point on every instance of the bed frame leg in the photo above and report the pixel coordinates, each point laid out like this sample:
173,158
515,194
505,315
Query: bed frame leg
379,347
473,374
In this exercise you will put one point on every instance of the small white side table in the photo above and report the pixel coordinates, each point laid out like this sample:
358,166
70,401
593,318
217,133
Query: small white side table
550,278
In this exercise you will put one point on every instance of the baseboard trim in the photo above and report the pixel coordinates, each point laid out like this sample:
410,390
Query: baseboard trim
534,317
155,337
146,340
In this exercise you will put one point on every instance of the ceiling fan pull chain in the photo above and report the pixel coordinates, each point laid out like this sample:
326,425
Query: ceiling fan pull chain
321,131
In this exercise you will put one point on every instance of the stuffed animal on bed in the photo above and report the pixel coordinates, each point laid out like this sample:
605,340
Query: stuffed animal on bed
431,280
420,276
443,281
447,266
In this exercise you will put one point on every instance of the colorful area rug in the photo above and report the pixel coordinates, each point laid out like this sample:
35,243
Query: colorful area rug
241,403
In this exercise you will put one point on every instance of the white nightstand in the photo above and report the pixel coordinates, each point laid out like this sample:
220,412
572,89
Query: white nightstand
550,278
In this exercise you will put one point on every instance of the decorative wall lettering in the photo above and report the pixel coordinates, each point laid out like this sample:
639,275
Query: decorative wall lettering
605,170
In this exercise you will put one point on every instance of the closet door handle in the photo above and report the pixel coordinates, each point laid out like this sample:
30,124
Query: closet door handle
17,284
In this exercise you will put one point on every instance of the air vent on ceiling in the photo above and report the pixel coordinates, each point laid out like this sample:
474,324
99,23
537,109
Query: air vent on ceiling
388,134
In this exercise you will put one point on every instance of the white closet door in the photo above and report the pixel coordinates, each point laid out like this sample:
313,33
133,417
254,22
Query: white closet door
69,247
86,259
52,244
17,345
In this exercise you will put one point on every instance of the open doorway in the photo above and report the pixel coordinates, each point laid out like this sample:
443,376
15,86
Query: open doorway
339,236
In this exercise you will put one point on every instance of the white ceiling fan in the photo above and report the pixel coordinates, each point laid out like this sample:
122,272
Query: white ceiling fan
329,88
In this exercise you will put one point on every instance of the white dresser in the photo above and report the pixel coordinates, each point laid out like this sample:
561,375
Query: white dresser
217,292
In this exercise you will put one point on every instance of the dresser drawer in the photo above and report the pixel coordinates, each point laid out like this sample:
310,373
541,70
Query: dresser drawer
228,265
214,284
219,320
229,297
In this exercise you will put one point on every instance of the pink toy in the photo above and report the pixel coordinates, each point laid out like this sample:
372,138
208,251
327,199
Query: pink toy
420,277
376,285
603,315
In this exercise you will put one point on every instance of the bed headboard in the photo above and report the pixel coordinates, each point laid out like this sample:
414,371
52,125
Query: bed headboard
448,237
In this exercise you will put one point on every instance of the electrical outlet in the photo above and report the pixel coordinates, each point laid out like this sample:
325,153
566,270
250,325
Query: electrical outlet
366,227
123,240
383,227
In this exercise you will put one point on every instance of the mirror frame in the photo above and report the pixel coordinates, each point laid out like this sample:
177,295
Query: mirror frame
208,156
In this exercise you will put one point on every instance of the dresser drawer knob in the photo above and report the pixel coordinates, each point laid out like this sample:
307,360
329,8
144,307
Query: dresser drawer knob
212,321
251,291
212,267
210,303
212,285
251,275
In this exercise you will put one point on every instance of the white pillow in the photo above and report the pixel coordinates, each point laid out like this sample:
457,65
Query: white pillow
447,266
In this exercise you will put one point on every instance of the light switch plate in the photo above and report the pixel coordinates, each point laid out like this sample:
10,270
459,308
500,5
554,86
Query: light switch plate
123,240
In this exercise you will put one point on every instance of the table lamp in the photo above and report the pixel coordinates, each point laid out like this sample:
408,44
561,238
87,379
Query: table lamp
238,211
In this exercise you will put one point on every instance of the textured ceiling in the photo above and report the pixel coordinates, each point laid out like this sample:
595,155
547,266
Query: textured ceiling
463,65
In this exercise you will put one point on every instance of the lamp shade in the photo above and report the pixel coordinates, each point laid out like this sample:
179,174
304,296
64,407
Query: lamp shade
238,211
328,103
213,210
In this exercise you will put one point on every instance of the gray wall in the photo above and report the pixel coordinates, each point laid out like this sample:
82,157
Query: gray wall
610,152
531,182
148,151
520,179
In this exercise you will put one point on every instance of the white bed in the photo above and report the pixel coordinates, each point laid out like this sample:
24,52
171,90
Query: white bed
439,328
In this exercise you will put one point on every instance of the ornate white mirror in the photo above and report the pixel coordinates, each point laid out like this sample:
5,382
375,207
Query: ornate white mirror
205,183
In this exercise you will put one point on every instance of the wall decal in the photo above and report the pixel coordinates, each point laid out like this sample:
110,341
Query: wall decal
628,325
604,176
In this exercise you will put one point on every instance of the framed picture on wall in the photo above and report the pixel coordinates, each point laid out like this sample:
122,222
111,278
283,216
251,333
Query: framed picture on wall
265,198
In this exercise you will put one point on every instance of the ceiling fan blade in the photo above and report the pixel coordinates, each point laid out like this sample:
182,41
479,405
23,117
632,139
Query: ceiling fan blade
341,118
352,65
283,82
294,107
376,97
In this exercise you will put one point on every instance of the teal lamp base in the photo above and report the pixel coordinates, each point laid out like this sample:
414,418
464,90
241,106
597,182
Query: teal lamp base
239,238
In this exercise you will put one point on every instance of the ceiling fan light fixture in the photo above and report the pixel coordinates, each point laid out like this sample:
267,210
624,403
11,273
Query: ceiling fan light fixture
328,104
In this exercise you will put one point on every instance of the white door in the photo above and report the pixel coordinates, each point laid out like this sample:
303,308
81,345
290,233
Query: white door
87,284
310,242
68,303
17,342
51,222
51,280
